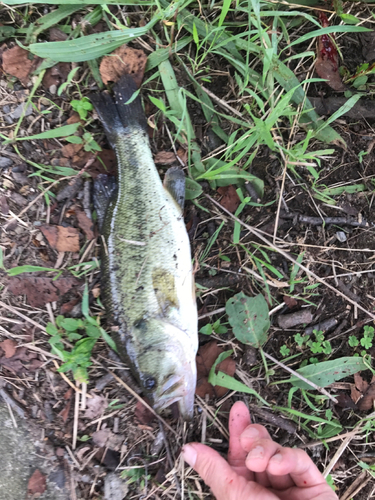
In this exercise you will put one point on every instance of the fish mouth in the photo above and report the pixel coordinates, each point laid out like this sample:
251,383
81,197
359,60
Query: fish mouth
176,390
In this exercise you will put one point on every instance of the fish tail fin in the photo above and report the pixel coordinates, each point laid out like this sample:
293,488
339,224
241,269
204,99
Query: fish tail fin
115,114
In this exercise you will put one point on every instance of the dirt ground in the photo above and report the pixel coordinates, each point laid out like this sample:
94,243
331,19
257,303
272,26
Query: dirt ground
47,221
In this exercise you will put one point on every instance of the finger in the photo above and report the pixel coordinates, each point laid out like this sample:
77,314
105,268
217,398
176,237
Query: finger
239,419
298,465
259,455
251,434
224,482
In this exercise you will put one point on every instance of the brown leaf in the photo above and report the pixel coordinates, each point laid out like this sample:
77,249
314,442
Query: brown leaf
290,301
62,239
67,307
143,414
9,347
169,157
327,61
368,400
47,289
360,383
95,406
230,199
74,118
56,35
56,75
85,223
37,484
206,357
106,438
22,361
20,63
345,401
124,60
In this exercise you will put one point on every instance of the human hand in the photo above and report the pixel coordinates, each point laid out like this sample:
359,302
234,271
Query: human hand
257,467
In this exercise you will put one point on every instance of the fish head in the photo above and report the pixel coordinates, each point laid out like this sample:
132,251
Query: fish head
166,366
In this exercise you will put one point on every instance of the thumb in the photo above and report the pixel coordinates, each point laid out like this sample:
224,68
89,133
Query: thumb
224,482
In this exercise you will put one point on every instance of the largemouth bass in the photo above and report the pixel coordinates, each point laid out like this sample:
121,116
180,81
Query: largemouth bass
147,277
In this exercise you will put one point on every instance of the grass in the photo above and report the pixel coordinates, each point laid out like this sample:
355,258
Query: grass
264,52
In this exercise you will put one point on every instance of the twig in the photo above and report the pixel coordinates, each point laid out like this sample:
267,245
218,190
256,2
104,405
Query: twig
14,311
318,221
216,311
257,233
296,374
75,423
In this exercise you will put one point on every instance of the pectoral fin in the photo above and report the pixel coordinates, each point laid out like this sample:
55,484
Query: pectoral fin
174,182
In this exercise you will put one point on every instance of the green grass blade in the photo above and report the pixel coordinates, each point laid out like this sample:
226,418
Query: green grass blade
160,55
54,17
328,31
90,46
82,2
63,131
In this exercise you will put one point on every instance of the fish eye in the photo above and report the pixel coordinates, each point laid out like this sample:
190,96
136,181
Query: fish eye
150,383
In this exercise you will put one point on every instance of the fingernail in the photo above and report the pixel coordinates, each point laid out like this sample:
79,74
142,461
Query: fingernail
277,458
257,452
189,455
250,432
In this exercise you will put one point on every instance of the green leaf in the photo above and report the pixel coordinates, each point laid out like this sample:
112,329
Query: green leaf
51,329
85,302
224,380
108,339
327,372
90,46
54,17
206,329
224,11
15,271
349,19
192,189
248,316
71,324
54,133
6,32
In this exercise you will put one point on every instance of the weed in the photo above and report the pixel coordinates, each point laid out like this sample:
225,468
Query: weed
83,334
214,328
82,107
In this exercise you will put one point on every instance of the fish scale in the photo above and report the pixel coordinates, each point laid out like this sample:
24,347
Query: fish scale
147,276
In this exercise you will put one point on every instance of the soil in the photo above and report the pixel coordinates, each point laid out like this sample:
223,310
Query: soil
124,436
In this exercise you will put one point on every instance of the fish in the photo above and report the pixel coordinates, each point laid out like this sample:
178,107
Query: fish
147,273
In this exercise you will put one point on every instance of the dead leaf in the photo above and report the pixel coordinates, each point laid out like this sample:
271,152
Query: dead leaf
67,307
37,484
95,406
360,383
143,414
56,75
290,301
48,290
56,35
22,361
20,63
345,401
105,438
368,400
62,239
206,357
9,347
327,61
169,157
85,223
74,118
230,199
124,60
